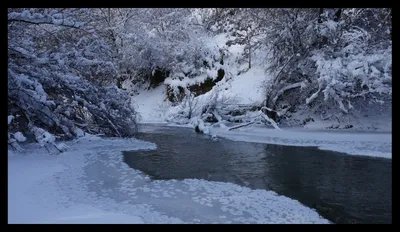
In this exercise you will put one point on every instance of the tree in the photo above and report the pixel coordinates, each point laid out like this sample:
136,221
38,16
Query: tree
331,54
61,75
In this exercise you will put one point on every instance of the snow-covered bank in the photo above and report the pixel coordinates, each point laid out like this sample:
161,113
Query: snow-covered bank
354,143
90,183
35,193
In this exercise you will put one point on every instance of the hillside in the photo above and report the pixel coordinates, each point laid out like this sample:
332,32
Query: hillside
101,71
243,91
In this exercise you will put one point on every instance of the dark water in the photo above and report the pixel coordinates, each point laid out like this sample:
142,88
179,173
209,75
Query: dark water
342,188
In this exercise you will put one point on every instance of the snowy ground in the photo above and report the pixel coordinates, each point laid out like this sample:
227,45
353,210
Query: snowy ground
246,88
149,104
90,184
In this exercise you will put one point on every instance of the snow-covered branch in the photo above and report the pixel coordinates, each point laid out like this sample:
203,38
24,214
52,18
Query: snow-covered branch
37,18
312,97
286,88
270,120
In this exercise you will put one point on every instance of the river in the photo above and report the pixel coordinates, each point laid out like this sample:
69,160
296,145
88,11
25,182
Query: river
342,188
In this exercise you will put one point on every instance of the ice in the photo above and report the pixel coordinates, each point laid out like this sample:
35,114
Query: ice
354,143
90,183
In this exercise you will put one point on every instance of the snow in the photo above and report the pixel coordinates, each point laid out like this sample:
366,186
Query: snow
202,127
243,89
246,88
186,81
237,86
24,206
10,118
79,132
19,137
43,136
313,96
148,104
61,146
90,183
353,143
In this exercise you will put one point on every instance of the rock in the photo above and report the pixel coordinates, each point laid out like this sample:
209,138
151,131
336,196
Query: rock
197,129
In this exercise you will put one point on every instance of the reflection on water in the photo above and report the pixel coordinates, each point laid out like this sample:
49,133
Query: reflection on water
342,188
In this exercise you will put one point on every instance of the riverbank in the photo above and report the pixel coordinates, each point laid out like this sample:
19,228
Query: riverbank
90,183
374,144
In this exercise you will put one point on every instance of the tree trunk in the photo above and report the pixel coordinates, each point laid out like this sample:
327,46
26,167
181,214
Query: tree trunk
321,11
390,23
337,15
249,57
119,83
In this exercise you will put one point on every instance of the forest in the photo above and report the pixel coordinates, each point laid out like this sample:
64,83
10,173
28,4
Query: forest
75,70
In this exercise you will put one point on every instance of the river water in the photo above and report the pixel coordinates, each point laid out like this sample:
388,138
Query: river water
342,188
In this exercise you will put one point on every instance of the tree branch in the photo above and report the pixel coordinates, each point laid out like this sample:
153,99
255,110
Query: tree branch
42,22
242,125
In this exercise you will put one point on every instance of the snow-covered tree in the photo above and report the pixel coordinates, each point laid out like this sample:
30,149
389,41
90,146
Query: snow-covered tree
61,75
68,68
324,58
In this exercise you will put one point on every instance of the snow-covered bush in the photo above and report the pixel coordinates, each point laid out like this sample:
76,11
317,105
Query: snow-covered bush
151,39
13,139
329,61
